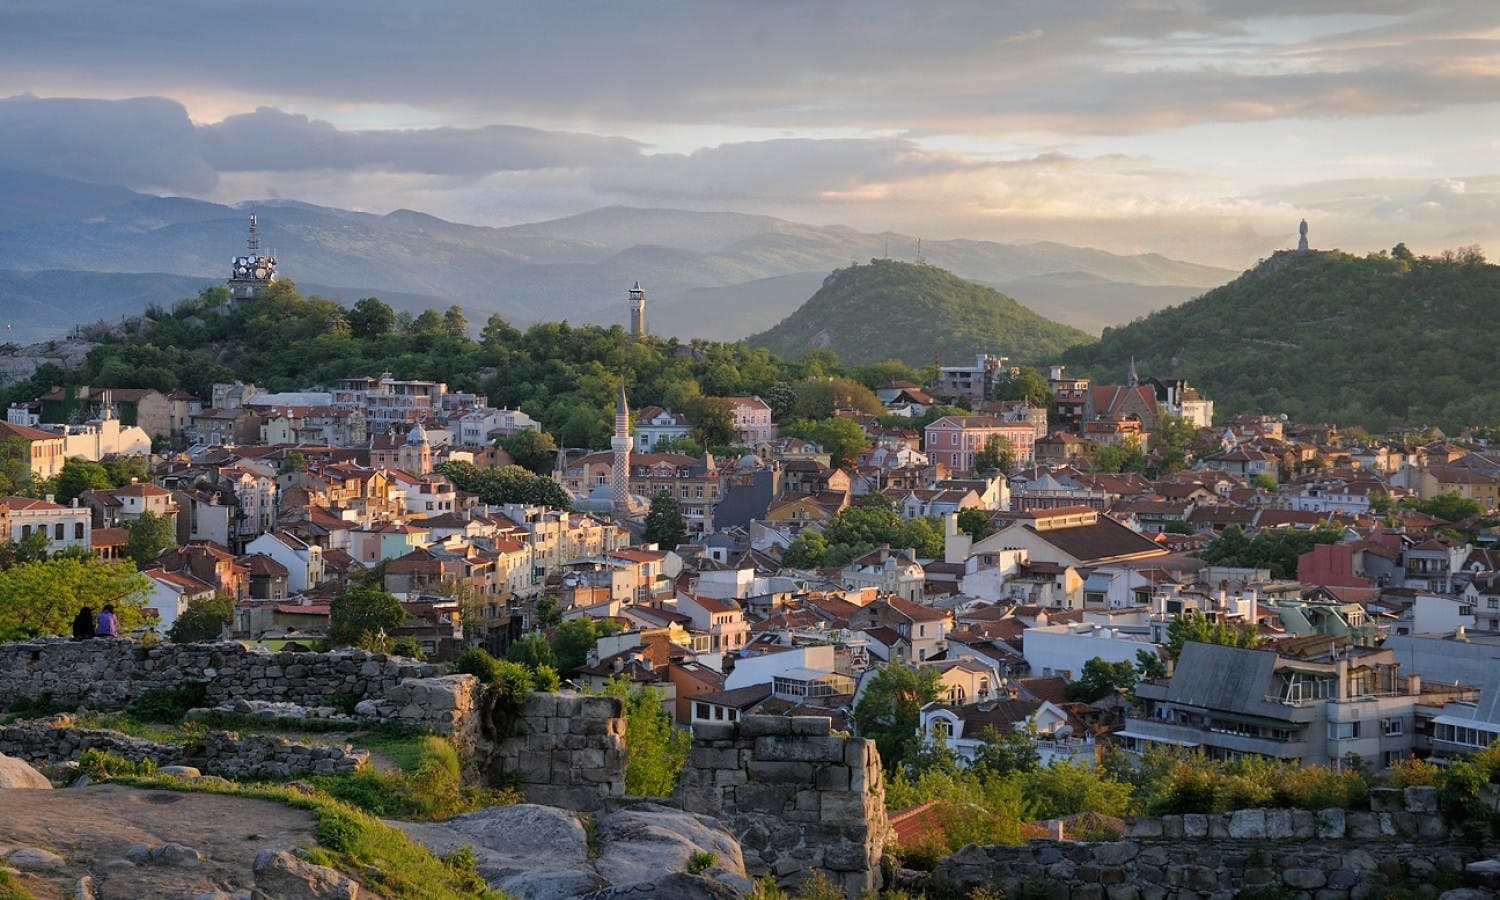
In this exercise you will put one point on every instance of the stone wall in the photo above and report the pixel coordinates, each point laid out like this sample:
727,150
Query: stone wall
110,674
1331,854
564,750
55,741
796,795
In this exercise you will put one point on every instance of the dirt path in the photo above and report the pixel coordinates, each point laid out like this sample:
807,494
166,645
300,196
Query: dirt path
93,827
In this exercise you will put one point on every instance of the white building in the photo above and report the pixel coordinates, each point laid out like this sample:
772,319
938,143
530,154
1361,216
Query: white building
1062,650
65,526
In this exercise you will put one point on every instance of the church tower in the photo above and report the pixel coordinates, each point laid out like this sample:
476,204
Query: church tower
415,456
252,273
621,444
637,311
1132,379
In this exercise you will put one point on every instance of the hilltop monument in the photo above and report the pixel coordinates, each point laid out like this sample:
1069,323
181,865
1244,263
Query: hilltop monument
1302,239
637,311
252,273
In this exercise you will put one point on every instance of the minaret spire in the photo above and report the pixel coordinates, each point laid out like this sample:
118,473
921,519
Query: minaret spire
620,443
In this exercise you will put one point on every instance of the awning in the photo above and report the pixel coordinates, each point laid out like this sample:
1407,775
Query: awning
1154,739
1098,583
1247,719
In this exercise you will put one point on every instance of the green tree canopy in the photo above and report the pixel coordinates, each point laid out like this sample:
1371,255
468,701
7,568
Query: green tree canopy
42,596
1196,627
371,318
713,421
1025,384
975,523
574,638
842,437
361,615
203,620
79,475
531,449
147,537
1450,507
1101,678
889,707
532,651
655,750
998,453
665,526
510,484
805,551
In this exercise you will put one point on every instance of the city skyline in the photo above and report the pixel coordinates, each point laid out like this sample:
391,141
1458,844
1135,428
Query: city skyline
1204,131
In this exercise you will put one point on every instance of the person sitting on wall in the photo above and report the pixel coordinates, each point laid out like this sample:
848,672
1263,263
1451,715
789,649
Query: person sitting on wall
107,626
83,624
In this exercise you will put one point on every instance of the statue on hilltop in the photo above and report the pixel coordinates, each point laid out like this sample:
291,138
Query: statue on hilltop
1302,241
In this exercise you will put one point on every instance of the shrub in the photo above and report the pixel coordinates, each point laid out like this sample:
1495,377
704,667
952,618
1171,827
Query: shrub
700,861
409,648
99,764
477,662
168,705
1411,772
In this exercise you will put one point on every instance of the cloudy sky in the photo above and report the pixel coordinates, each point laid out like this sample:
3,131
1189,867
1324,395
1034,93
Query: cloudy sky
1202,129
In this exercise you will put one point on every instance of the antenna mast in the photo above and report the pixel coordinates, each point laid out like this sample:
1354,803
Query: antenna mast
921,260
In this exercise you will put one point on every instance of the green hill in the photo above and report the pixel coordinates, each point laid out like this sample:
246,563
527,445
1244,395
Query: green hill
895,310
1379,341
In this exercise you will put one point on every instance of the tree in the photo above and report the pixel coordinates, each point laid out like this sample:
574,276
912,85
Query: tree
998,453
122,470
1149,664
42,596
531,449
842,437
574,638
665,526
805,551
713,421
975,523
79,475
1194,626
508,484
1450,507
820,398
1026,384
889,710
371,318
203,620
655,751
147,537
1125,456
363,616
547,612
15,465
532,651
427,322
1101,678
292,462
998,755
28,549
455,324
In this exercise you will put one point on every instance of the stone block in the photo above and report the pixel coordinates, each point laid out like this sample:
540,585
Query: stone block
1362,825
1143,827
1383,799
793,748
713,731
779,772
600,707
840,809
833,778
708,758
1332,824
1304,879
1421,799
1194,825
762,726
814,726
1116,853
1247,824
1278,824
1304,824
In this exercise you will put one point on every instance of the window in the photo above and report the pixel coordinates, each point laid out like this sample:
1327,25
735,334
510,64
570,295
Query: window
57,531
942,728
1392,726
1343,731
78,531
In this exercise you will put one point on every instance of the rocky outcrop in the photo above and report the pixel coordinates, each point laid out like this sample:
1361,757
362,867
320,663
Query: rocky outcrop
285,876
16,773
533,852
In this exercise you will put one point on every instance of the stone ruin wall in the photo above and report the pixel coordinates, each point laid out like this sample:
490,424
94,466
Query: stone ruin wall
1329,854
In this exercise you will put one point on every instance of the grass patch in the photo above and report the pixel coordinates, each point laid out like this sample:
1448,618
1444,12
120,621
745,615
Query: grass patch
428,786
220,720
126,723
406,747
168,705
10,887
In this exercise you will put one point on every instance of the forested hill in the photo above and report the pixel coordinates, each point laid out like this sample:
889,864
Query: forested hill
1380,341
894,310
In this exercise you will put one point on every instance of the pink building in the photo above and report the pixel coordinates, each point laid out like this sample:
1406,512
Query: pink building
953,441
752,420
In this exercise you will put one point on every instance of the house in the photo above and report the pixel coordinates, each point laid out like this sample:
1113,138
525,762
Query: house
45,451
1244,462
208,563
171,592
895,572
266,578
303,561
974,382
1341,706
752,420
962,727
953,441
923,630
64,527
1073,536
654,424
116,506
721,619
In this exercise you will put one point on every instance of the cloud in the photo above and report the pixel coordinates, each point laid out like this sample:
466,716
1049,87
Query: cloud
146,144
272,140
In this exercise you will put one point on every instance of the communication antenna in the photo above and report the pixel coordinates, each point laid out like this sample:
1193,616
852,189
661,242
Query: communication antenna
921,260
887,253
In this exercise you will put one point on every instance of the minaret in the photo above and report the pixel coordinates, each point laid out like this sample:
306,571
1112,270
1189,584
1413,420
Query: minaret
637,311
621,443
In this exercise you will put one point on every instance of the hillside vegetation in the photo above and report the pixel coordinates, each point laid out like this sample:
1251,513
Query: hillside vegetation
895,310
1380,341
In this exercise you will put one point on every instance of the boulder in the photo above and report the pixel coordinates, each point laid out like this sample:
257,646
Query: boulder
673,886
35,859
16,773
282,875
641,843
529,852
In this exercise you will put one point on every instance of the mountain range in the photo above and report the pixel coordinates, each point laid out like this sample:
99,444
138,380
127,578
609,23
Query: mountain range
74,253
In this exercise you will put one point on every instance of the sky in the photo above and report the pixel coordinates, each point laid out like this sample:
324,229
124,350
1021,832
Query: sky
1198,129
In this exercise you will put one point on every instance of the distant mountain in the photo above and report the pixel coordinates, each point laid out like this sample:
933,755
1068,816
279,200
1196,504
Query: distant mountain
894,310
1378,341
705,273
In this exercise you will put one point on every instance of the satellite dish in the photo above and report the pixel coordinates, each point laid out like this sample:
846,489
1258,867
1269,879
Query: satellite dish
260,273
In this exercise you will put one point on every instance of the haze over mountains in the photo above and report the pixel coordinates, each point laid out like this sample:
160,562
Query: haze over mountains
73,253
